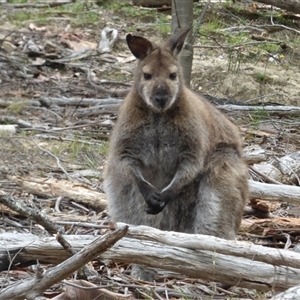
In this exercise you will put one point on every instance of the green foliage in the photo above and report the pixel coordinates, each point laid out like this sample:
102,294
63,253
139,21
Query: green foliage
104,148
257,116
212,26
17,106
18,17
271,48
79,12
261,77
237,39
79,151
124,9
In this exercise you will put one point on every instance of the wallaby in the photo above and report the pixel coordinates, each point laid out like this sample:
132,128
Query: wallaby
175,161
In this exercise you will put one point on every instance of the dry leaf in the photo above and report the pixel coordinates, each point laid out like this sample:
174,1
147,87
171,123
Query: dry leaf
78,46
36,28
38,61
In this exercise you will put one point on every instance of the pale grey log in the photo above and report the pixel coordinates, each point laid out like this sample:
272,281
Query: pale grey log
274,192
270,109
198,256
290,294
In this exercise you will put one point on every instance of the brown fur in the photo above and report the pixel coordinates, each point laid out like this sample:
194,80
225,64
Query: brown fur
175,161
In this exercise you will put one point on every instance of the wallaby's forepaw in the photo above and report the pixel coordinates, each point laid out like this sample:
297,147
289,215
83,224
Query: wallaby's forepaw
158,202
154,202
152,198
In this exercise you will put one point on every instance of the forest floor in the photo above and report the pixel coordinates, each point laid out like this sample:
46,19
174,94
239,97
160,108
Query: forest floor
49,69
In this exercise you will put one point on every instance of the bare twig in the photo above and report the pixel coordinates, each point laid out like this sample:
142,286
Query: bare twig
237,45
264,176
56,158
280,25
199,22
112,92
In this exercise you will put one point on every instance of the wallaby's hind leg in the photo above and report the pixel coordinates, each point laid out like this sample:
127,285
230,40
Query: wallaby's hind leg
222,195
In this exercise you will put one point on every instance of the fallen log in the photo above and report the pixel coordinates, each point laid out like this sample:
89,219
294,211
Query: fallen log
51,187
279,110
230,262
274,192
290,5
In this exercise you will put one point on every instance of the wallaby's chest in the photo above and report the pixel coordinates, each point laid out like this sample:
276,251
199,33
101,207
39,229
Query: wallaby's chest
160,139
158,145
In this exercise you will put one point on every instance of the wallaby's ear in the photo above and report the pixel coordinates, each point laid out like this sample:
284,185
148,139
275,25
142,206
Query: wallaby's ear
139,46
175,42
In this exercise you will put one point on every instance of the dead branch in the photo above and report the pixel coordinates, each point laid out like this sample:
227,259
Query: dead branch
78,102
33,214
230,262
35,286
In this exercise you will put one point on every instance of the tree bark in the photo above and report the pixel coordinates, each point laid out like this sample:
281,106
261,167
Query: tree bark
230,262
291,5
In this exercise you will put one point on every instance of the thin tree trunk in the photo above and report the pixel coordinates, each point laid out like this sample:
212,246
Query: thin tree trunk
182,18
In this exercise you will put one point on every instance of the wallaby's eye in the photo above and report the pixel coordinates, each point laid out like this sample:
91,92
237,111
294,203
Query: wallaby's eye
147,76
173,76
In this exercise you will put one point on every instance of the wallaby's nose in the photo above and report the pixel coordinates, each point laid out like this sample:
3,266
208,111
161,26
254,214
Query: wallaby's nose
161,99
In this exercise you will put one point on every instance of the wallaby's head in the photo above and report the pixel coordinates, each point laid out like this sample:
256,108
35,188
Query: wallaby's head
158,78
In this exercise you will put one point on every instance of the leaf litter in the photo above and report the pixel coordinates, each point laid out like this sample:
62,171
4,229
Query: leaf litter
46,95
